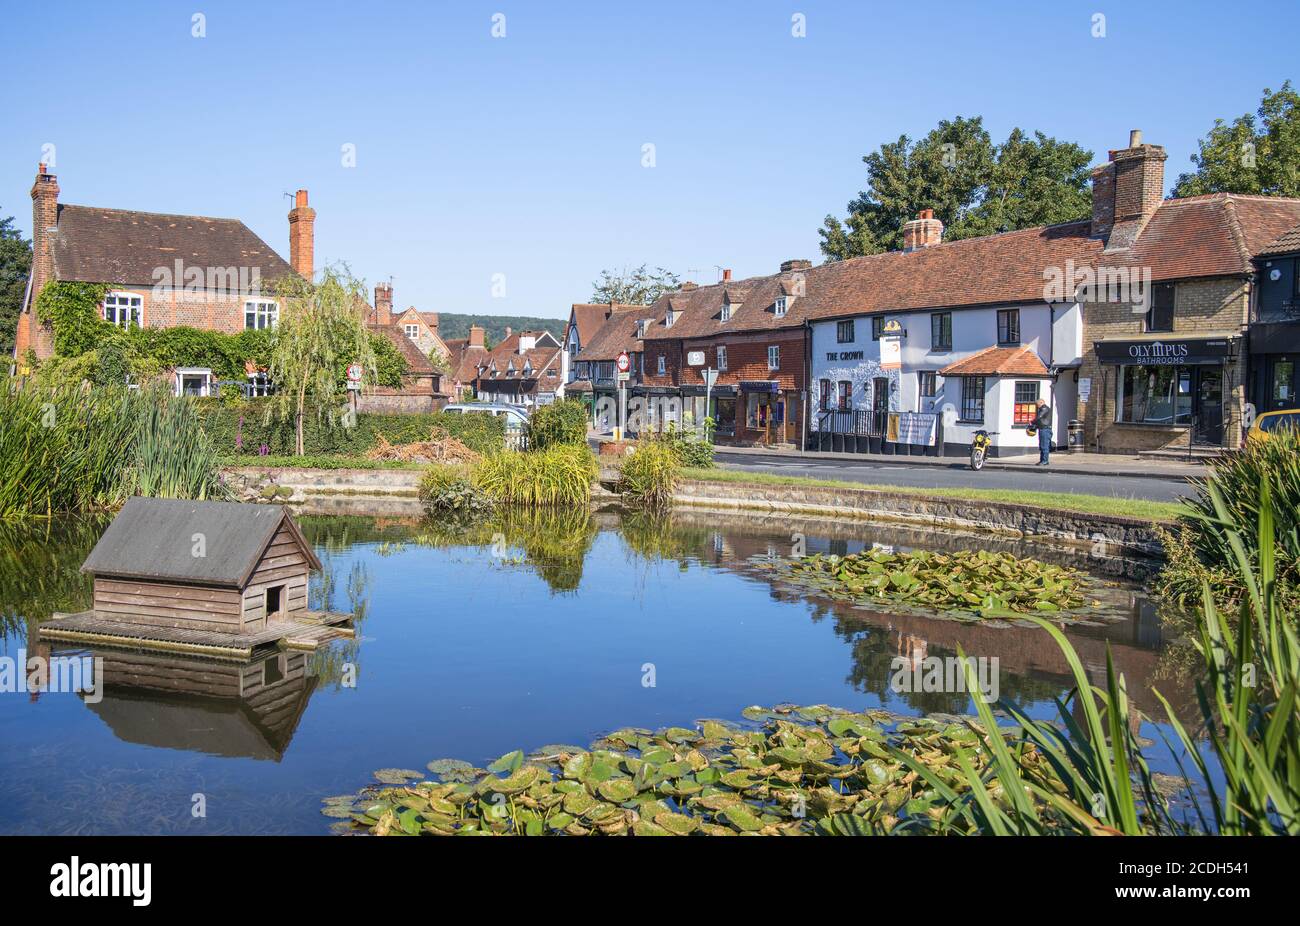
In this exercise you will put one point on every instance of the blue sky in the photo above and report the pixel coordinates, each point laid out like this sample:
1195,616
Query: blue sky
522,155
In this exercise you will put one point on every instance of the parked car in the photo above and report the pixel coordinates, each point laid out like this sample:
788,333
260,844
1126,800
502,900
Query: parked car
516,418
1271,421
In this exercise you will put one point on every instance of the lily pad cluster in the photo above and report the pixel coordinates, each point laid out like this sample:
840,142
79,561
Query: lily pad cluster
788,771
978,582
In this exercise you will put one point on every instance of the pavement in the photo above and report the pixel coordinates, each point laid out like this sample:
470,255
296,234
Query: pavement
1117,476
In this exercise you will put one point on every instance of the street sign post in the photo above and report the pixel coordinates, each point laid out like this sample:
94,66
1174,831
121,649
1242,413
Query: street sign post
710,379
624,364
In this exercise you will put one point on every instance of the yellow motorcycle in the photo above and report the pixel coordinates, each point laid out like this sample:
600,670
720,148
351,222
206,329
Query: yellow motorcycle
979,448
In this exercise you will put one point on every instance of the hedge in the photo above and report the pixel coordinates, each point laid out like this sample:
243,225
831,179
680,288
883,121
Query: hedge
238,429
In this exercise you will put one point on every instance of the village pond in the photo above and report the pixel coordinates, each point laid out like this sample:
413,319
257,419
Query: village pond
535,629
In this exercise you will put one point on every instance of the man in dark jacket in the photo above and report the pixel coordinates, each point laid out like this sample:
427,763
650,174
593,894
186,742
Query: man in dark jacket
1043,422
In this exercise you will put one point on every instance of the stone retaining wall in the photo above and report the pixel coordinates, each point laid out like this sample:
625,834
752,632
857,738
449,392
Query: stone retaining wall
1132,536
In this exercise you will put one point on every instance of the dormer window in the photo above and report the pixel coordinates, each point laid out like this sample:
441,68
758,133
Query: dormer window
412,331
782,304
670,318
122,309
640,328
726,312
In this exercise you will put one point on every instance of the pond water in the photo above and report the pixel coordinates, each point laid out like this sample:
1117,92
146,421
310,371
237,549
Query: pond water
536,629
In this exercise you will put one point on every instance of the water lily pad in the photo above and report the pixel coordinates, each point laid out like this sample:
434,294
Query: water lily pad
617,790
396,776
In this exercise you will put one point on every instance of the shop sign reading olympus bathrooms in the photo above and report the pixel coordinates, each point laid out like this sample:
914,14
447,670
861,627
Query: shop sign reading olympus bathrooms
1185,351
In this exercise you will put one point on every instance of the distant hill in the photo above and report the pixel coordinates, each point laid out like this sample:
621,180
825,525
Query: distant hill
456,325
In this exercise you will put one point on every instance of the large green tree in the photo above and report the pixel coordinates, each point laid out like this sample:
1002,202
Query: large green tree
974,186
633,286
15,264
1255,153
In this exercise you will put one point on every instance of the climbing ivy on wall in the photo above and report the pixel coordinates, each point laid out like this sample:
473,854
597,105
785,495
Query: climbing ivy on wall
88,347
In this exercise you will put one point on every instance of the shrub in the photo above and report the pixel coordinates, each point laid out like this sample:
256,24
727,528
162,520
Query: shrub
243,428
1199,549
450,489
558,423
649,475
691,451
559,476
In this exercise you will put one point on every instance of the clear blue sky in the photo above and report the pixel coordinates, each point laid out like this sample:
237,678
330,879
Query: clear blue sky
522,155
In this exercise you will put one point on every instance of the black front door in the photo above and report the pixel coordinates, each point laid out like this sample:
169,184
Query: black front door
879,404
1208,408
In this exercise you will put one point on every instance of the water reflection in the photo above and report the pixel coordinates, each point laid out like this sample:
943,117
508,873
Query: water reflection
523,629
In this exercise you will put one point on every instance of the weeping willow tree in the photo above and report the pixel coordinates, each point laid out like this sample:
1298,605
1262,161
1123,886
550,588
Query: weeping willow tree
321,332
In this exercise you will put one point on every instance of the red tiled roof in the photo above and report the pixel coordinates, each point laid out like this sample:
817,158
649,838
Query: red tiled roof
416,363
96,245
998,361
507,353
589,316
1199,236
615,335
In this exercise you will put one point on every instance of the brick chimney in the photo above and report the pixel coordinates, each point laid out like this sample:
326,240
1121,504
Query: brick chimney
475,336
1127,191
509,331
789,266
302,238
923,231
383,303
431,319
45,220
726,275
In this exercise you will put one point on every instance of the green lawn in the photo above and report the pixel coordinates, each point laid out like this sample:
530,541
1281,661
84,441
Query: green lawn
1061,501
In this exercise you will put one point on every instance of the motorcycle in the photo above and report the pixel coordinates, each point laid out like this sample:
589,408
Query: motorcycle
979,447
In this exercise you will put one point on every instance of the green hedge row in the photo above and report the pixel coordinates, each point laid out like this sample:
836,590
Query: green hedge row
242,429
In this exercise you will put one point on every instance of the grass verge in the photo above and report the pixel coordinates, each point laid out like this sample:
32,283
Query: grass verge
1058,501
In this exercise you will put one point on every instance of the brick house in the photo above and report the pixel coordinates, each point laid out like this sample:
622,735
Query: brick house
524,369
1275,326
162,270
753,333
1176,374
464,356
595,367
415,335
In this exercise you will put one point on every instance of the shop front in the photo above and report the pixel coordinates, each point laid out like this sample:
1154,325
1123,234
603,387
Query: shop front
770,413
1170,392
1274,364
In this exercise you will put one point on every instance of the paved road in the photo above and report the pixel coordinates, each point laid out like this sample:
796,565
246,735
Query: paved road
958,474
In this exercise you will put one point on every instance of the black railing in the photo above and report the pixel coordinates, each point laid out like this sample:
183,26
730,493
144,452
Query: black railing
857,422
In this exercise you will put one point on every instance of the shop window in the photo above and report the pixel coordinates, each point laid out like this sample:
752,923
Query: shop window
972,399
1026,409
1155,395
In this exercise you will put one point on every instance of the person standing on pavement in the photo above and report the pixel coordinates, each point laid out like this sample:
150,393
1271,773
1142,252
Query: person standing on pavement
1043,422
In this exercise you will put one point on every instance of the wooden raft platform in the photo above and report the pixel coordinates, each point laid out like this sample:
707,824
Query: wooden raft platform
304,631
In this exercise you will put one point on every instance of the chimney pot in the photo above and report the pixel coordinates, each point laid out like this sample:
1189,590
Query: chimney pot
1134,137
726,275
923,231
789,265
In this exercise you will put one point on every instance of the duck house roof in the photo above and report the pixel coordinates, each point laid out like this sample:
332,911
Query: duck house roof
198,543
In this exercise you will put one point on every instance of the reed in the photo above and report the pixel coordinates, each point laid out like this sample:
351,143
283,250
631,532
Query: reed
649,475
80,449
559,476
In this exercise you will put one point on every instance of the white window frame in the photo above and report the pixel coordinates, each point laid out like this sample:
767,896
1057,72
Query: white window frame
774,356
722,356
259,384
412,330
726,312
663,365
265,311
782,305
132,304
183,372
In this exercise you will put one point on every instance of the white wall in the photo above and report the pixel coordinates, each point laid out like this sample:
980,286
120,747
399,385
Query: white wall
973,330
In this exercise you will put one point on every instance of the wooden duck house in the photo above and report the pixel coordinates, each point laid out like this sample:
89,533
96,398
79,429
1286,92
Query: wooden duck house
204,576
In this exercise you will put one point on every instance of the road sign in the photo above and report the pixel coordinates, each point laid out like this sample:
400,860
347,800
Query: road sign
710,377
695,358
624,362
624,376
354,373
